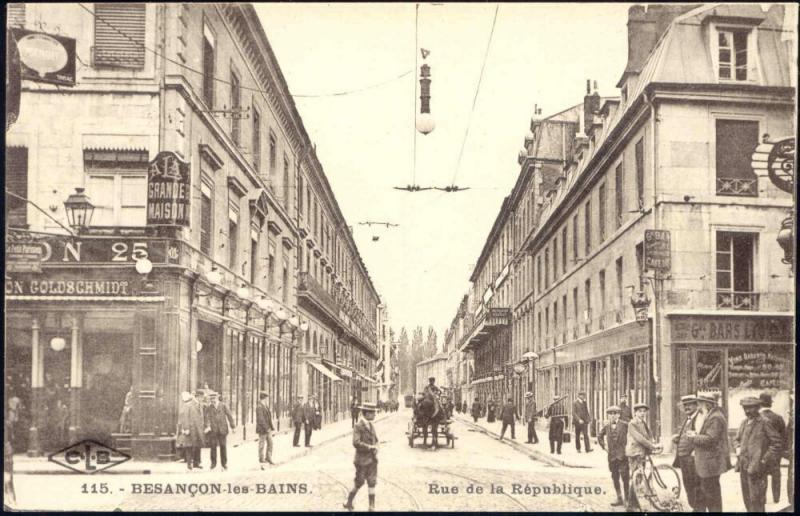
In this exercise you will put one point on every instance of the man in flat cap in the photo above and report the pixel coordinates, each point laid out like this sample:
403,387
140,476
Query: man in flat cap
779,425
219,417
365,441
639,444
625,413
759,450
581,419
711,451
684,456
617,432
264,429
530,418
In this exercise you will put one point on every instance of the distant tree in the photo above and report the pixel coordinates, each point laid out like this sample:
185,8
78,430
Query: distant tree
431,347
404,362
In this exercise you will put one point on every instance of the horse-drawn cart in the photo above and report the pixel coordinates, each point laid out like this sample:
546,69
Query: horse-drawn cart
417,430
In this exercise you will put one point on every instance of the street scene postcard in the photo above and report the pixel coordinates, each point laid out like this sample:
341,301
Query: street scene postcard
393,257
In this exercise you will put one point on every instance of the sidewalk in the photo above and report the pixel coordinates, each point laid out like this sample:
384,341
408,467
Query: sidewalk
597,459
242,456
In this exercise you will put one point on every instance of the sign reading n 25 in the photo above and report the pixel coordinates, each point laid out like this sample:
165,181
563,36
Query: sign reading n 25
657,249
168,190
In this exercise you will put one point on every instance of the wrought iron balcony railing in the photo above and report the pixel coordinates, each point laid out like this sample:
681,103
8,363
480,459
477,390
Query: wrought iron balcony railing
737,187
737,300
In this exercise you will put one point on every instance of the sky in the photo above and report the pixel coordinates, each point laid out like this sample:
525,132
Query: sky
540,54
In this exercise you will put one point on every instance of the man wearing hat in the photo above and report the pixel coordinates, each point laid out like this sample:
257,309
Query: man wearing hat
639,444
625,413
779,426
759,450
508,415
556,428
365,441
530,418
711,451
617,432
298,419
477,409
219,416
309,415
581,418
199,408
264,429
189,431
684,458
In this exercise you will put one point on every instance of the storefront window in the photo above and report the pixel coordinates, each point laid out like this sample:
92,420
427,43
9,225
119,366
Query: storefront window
752,371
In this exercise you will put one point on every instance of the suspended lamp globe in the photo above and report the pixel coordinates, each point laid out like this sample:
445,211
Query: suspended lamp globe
79,209
266,304
243,292
144,266
304,326
214,276
295,321
281,314
58,343
425,123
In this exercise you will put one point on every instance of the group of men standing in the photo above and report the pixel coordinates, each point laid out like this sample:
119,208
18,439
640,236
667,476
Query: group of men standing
203,422
307,416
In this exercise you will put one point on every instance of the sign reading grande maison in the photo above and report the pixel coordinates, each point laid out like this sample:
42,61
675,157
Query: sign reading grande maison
168,190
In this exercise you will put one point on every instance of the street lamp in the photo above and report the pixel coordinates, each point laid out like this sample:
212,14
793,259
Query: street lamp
79,210
214,276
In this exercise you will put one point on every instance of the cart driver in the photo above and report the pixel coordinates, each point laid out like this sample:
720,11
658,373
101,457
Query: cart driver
432,388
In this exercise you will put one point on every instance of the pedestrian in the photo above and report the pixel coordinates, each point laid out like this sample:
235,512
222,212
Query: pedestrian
219,417
530,418
365,441
189,430
490,411
353,412
580,419
309,415
788,451
759,449
639,444
779,426
625,413
200,410
508,415
477,409
264,429
711,451
555,431
317,412
684,456
298,419
125,417
617,432
464,407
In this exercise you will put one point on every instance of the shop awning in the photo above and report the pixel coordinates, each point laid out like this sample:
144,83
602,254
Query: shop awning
367,378
324,370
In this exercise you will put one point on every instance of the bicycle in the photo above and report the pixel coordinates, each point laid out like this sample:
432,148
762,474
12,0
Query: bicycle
659,485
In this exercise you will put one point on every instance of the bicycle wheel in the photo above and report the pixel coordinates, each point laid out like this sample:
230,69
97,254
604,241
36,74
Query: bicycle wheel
665,487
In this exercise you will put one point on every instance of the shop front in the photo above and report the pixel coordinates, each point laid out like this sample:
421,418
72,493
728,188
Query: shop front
732,357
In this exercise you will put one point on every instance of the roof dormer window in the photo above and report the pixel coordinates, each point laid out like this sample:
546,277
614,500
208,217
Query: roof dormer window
732,55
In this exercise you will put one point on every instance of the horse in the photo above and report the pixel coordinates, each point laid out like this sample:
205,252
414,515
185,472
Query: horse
429,412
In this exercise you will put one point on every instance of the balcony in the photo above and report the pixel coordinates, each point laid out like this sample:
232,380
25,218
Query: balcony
737,300
310,289
737,187
488,322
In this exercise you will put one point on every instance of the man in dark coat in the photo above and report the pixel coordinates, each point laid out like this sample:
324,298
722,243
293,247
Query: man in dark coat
189,432
617,433
264,429
684,456
581,419
464,407
556,428
200,407
491,410
365,441
309,415
353,412
219,416
760,448
298,419
530,418
625,413
508,415
477,409
779,426
712,452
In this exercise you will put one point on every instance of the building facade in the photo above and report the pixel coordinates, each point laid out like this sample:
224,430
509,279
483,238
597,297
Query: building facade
88,322
434,367
671,154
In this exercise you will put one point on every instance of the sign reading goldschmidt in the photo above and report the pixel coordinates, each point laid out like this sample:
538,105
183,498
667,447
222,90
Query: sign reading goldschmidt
168,190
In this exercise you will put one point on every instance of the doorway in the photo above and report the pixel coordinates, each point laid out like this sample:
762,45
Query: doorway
209,356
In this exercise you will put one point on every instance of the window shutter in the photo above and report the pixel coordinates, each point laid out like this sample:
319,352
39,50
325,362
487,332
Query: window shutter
17,183
119,35
16,15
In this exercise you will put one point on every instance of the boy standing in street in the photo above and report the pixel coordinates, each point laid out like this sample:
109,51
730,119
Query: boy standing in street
365,441
617,433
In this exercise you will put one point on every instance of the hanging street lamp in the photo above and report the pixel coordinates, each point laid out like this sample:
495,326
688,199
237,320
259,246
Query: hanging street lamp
79,210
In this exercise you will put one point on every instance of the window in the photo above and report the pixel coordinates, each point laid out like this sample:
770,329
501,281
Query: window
286,184
564,249
117,185
602,298
236,104
575,238
16,15
300,193
732,54
256,140
547,326
539,329
601,206
620,290
639,156
119,30
575,312
735,257
233,236
640,262
254,257
273,153
736,141
564,310
587,318
619,193
587,225
208,66
539,274
17,183
271,267
206,218
285,282
555,258
547,268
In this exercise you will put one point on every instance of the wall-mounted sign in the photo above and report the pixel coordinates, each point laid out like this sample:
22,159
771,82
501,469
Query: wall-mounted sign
72,287
46,57
748,330
657,246
28,254
168,190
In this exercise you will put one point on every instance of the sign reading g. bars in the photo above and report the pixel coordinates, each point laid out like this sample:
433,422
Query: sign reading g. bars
657,248
168,190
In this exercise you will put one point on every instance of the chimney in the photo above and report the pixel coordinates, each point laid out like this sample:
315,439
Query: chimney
591,105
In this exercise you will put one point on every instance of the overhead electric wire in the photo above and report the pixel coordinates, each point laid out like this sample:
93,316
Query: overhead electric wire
16,196
475,99
243,87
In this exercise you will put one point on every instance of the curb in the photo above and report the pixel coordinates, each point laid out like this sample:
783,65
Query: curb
150,471
533,454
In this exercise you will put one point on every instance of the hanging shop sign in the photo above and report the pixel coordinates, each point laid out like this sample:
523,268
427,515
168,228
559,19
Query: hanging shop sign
168,190
657,246
27,254
46,57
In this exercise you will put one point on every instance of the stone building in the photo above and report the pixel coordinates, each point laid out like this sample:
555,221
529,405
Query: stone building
434,367
128,303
